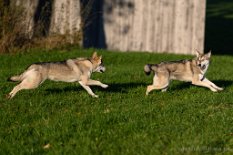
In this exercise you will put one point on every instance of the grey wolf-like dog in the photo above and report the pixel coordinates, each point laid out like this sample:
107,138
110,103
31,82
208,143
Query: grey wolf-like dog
72,70
184,70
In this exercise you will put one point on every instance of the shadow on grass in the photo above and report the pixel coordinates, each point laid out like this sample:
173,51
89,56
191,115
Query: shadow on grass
126,87
114,88
223,83
220,83
181,86
62,90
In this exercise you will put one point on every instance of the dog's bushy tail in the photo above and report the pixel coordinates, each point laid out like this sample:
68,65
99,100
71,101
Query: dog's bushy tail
15,78
149,67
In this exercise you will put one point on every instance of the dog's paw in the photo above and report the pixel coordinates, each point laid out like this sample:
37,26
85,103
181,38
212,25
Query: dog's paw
214,90
104,86
220,89
164,90
8,96
95,96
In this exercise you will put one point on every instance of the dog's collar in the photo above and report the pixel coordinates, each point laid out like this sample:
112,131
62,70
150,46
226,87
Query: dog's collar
203,78
92,63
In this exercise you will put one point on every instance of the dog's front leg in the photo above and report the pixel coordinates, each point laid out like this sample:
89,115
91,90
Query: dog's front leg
88,89
96,83
204,84
212,84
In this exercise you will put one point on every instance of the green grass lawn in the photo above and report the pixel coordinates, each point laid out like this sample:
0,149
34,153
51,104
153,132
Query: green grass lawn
184,120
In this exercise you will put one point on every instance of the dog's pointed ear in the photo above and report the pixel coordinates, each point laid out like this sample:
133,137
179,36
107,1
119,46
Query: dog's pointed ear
94,55
208,54
197,53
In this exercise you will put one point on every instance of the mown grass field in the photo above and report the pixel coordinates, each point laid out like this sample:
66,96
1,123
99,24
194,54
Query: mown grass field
61,118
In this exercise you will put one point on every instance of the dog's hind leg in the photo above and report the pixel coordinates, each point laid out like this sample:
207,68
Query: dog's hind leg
164,89
158,87
159,82
14,91
31,81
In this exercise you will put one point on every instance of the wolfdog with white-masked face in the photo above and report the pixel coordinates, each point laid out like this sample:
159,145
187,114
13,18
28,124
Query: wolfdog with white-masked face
184,70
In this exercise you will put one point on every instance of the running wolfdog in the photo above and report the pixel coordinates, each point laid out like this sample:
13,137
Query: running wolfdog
71,70
184,70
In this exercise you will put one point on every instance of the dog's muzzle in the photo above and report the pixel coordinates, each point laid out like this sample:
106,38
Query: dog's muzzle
203,67
100,69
